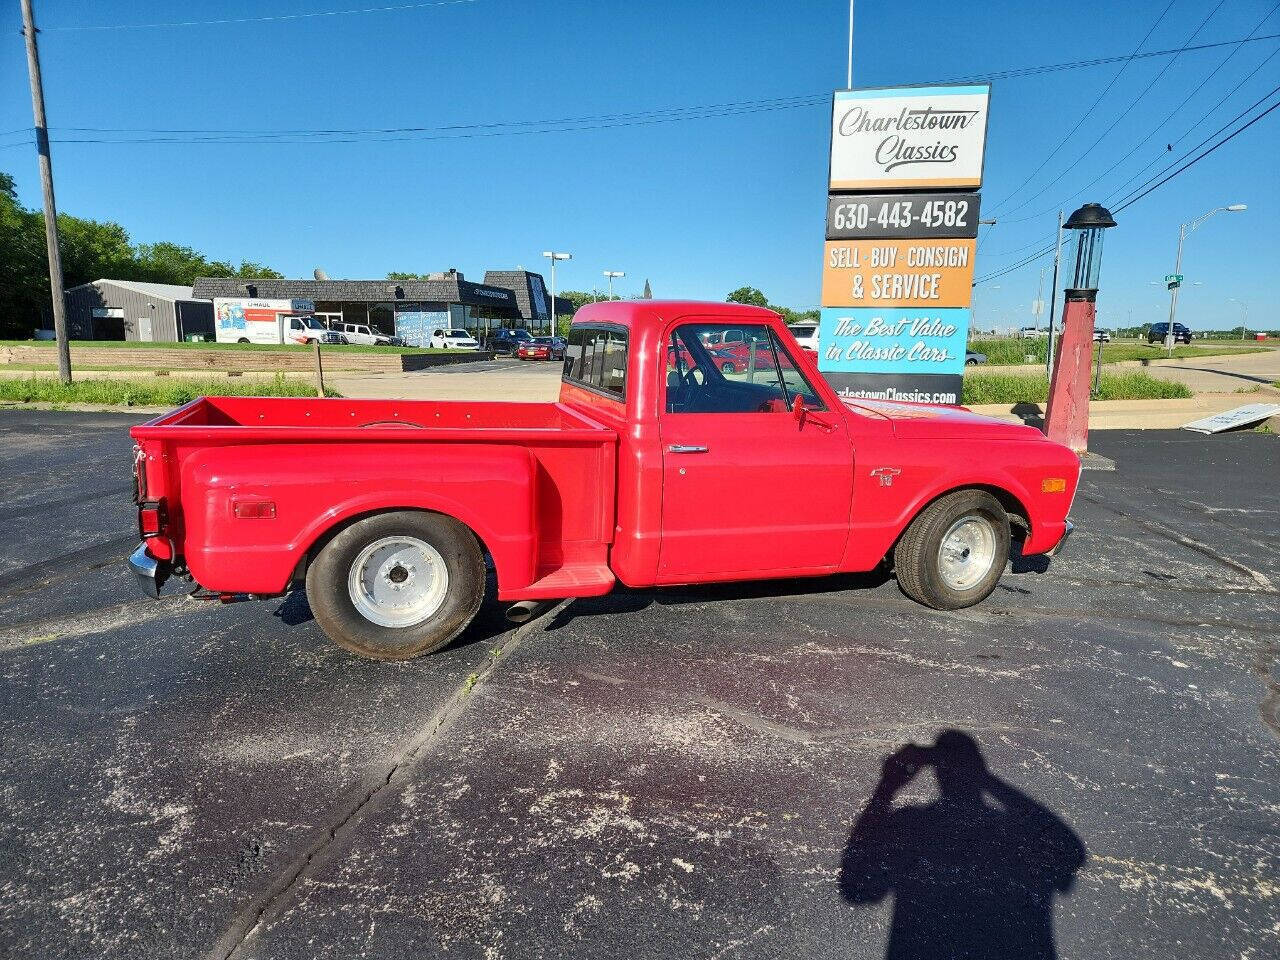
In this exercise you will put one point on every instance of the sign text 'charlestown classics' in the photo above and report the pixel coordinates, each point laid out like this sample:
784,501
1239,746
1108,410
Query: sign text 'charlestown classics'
908,137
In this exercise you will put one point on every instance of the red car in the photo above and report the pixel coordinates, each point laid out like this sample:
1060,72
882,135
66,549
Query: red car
536,349
391,511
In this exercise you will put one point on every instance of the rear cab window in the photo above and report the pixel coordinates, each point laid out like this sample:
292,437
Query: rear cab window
596,358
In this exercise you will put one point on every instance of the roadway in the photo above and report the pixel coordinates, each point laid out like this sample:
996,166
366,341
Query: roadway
654,773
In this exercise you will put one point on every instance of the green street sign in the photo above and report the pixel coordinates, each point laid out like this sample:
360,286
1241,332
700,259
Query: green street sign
1173,278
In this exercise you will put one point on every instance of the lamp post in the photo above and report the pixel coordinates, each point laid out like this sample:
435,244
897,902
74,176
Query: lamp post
1177,267
1067,417
553,256
1244,315
611,274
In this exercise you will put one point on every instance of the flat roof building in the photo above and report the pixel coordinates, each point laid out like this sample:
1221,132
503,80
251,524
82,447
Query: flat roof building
412,309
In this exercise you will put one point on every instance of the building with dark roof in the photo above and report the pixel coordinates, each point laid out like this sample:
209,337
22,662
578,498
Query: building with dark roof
411,309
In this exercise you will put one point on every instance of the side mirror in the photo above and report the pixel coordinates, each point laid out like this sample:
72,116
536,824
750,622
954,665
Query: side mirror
798,408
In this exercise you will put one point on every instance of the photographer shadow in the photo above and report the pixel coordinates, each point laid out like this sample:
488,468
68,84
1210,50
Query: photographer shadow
974,873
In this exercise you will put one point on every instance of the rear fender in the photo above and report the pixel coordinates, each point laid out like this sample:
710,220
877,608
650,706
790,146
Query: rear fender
318,488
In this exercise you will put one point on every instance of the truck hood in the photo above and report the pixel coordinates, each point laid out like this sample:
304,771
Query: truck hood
922,421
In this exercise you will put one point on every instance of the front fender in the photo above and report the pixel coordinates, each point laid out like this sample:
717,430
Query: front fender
318,487
927,471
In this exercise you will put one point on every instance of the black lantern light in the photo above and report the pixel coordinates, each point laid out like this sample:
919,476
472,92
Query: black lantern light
1090,220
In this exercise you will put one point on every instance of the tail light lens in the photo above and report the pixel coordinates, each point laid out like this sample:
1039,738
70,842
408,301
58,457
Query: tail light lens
151,518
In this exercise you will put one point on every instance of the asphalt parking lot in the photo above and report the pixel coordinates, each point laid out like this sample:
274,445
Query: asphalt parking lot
651,774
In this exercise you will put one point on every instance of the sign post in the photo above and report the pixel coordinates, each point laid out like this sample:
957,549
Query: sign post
902,222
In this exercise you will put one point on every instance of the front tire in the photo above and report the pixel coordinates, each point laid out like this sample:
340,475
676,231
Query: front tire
397,585
953,553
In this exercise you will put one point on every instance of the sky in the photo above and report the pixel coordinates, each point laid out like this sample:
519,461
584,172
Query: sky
718,198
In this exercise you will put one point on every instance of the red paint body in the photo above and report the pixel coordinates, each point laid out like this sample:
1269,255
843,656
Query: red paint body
567,497
1066,419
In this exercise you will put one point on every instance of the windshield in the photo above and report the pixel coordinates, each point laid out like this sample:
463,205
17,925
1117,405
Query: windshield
460,334
542,340
311,323
801,332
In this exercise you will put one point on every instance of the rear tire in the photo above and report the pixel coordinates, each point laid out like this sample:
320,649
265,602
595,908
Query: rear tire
953,553
397,585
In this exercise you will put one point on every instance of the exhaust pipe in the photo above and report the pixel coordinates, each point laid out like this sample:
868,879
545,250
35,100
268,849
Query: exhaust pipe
523,611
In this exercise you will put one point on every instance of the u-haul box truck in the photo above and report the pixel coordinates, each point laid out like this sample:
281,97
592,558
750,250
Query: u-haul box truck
245,320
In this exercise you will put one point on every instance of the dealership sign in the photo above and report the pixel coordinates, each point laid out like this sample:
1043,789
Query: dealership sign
905,138
881,215
898,273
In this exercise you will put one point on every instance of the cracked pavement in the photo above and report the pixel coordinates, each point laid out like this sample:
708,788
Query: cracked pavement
691,772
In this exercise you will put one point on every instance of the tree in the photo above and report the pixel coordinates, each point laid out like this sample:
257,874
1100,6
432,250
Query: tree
91,250
401,275
576,297
748,295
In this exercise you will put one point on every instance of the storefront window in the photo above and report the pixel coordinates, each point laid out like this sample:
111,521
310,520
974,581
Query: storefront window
382,318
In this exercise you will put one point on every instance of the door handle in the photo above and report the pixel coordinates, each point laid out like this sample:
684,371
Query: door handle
685,448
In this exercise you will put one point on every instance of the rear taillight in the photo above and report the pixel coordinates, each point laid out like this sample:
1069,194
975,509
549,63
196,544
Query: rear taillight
151,518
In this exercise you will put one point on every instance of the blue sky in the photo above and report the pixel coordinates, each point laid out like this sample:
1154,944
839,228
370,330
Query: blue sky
698,207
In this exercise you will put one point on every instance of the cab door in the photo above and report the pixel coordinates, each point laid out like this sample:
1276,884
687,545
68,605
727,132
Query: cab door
748,488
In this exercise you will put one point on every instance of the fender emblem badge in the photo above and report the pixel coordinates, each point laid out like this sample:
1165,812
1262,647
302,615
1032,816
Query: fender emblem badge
886,475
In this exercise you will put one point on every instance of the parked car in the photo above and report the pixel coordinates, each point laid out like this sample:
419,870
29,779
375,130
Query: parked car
1030,333
1160,330
454,340
362,333
1101,336
506,342
539,348
624,479
555,346
972,358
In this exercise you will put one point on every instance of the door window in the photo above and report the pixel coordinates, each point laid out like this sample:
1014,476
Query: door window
707,372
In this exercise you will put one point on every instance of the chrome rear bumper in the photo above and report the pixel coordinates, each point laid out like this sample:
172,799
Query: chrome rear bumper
149,573
1057,547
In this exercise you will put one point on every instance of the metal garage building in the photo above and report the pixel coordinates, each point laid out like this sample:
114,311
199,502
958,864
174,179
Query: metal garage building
135,310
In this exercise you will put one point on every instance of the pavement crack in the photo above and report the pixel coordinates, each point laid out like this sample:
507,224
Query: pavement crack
1202,548
275,900
100,620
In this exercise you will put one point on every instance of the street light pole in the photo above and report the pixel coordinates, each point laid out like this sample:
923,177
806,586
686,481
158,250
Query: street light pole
1183,230
1244,315
553,256
848,83
611,274
46,183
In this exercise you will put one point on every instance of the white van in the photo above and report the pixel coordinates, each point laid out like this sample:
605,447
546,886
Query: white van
244,320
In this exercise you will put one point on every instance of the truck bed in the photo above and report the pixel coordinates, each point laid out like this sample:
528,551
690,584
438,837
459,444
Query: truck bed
534,481
304,418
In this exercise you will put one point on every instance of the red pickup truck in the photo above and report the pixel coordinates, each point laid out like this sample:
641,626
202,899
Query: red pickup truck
391,512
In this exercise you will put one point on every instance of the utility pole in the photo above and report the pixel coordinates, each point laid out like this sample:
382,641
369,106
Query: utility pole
1053,296
46,182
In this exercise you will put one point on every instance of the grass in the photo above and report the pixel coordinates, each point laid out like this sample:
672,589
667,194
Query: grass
1011,351
134,344
1012,388
152,392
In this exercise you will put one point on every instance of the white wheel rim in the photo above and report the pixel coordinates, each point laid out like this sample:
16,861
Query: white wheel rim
967,552
398,581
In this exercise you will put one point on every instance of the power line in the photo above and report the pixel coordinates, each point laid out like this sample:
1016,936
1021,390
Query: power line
1196,88
1124,113
1186,166
1135,196
1085,115
270,19
568,124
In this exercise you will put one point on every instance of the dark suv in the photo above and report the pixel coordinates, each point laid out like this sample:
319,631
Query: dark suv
508,341
1159,331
